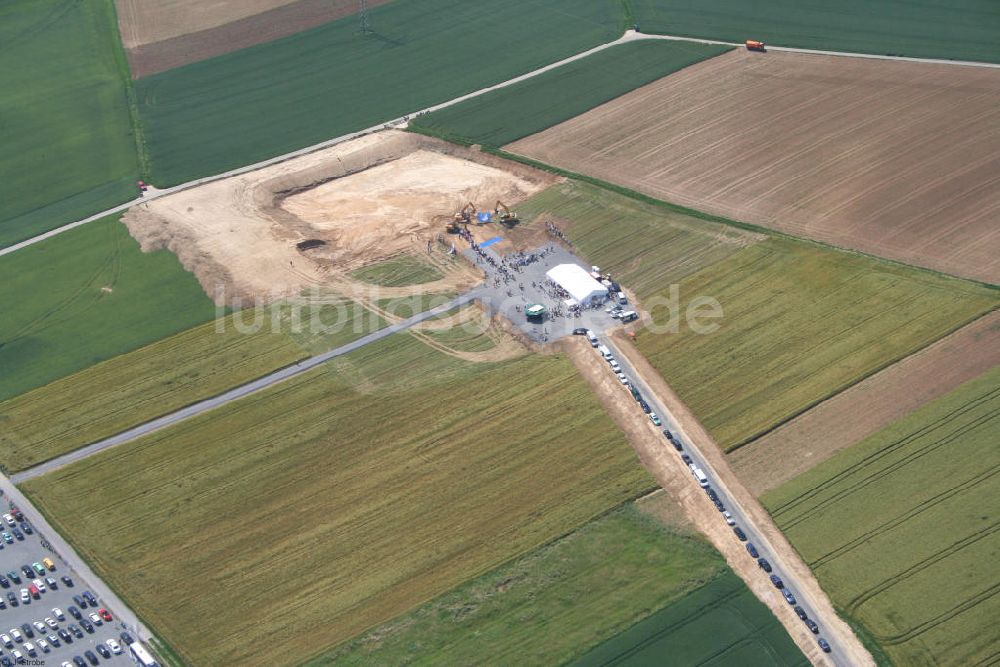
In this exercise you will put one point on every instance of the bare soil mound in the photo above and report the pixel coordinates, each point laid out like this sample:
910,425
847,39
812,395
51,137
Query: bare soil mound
896,159
308,222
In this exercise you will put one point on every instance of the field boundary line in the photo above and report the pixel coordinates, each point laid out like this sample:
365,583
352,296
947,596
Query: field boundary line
888,449
629,36
235,393
509,561
64,550
947,615
711,217
836,391
121,61
919,567
156,193
870,478
821,52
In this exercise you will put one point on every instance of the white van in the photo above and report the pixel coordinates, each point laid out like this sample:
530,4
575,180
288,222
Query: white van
592,338
605,352
628,316
699,475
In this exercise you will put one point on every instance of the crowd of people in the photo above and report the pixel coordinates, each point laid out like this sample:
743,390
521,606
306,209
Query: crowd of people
557,233
504,270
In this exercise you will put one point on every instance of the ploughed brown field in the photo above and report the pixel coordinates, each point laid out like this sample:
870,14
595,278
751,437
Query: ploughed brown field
163,34
896,159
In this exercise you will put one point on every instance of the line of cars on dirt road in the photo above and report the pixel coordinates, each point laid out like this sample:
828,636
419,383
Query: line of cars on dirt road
713,495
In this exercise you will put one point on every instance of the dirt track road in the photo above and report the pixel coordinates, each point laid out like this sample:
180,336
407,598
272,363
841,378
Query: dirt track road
665,464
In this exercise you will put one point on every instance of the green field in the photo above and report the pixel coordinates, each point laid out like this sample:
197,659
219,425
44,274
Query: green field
901,529
549,606
399,271
720,624
85,296
467,337
167,375
68,149
404,307
255,103
342,498
800,323
644,246
508,114
959,29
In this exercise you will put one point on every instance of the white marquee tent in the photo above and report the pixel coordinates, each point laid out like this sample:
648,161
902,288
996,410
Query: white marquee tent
578,283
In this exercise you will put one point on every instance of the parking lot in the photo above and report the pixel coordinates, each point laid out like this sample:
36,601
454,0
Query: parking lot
38,623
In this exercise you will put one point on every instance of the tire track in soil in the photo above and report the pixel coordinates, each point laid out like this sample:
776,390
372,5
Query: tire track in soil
885,451
898,520
854,604
921,628
885,472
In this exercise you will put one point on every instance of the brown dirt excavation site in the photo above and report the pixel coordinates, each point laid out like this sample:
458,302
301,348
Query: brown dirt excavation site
277,231
896,159
542,333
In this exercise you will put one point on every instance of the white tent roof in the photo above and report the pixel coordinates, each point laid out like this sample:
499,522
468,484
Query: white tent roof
575,280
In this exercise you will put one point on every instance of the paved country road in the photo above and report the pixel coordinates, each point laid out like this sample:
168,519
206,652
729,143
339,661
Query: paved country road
237,393
629,36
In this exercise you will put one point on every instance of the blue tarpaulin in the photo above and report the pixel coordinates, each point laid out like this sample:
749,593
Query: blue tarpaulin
495,239
484,216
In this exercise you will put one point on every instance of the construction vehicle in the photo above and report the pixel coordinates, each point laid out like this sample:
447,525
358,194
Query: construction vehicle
506,216
754,45
463,217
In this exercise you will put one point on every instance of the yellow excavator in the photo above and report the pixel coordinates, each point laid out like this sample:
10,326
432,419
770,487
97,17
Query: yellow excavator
463,217
506,216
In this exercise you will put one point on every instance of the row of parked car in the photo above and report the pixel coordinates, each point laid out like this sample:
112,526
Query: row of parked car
751,548
616,368
37,581
51,635
16,527
107,648
713,495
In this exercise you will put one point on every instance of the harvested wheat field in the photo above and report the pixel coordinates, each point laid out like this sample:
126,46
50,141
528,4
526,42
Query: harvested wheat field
308,222
896,159
869,406
162,34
